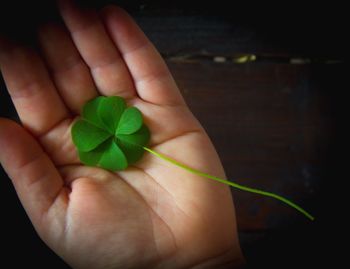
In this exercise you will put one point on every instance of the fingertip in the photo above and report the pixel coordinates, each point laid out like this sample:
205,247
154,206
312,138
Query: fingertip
76,16
65,4
111,10
116,17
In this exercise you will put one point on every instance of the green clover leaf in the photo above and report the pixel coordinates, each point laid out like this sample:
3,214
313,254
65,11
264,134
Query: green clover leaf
110,135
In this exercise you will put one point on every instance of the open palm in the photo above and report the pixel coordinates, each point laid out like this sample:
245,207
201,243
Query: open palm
152,215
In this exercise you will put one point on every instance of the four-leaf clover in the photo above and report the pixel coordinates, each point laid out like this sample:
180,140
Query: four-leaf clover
110,134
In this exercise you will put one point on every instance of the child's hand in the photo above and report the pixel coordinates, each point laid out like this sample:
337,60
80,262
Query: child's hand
151,215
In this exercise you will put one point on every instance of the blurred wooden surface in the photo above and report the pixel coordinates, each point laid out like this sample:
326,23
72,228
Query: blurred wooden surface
271,120
270,126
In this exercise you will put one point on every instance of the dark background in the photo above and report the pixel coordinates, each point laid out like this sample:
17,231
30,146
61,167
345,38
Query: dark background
276,121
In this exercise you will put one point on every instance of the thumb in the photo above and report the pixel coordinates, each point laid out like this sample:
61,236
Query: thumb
36,179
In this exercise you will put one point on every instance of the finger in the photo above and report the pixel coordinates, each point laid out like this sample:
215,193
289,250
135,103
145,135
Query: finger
70,73
36,180
107,67
36,100
152,78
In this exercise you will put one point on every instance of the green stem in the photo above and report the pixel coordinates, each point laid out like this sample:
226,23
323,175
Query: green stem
235,185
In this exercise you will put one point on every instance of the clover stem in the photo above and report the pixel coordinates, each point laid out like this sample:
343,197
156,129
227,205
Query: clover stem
235,185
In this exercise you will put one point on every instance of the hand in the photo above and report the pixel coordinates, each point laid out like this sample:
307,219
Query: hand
152,215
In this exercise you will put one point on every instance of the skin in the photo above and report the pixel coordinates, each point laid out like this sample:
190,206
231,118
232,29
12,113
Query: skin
152,215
